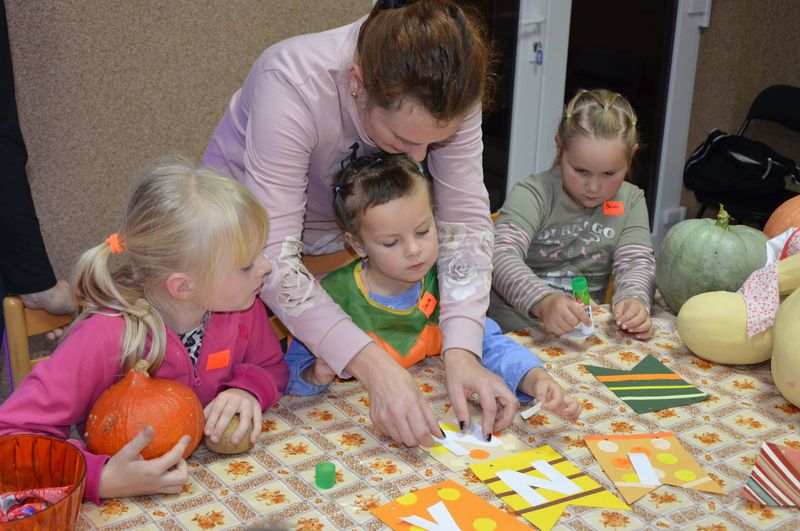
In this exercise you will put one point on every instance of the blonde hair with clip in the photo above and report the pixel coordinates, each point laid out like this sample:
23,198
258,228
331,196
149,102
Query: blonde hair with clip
599,114
179,219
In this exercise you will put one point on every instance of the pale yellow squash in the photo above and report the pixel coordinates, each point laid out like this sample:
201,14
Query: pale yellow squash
713,325
786,349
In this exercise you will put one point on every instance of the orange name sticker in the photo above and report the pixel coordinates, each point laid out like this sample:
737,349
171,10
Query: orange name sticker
427,304
219,360
613,208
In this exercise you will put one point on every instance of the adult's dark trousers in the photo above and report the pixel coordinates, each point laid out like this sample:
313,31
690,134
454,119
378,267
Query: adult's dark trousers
24,265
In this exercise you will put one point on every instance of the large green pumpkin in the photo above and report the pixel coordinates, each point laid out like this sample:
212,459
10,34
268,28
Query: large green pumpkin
701,255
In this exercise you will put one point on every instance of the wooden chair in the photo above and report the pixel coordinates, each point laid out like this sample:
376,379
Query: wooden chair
22,323
316,265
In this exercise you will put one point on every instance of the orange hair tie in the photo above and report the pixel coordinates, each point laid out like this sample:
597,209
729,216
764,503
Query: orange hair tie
114,243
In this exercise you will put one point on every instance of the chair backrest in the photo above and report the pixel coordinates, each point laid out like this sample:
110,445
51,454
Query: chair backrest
317,265
22,323
777,103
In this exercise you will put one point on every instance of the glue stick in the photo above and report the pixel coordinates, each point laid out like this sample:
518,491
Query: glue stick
580,287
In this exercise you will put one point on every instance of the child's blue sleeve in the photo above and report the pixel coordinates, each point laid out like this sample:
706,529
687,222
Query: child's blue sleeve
299,358
507,358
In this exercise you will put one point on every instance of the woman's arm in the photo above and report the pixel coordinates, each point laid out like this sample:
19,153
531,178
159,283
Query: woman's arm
465,235
281,136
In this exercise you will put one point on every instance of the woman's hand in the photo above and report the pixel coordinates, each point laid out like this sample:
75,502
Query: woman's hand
225,405
633,317
466,376
127,474
560,313
396,405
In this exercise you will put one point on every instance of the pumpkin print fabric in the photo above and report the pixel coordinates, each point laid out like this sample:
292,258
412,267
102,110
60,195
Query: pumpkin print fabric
276,485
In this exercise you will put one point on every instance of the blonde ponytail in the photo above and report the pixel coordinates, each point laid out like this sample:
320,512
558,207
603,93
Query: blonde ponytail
103,290
180,218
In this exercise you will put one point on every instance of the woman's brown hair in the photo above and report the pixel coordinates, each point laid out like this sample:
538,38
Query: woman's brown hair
432,51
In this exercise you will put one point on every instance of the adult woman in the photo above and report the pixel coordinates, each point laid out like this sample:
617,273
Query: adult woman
408,78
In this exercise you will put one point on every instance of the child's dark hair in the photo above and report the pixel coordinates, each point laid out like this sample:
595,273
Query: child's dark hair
374,180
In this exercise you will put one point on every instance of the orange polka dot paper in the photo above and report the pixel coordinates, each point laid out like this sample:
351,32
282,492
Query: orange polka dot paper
443,505
668,463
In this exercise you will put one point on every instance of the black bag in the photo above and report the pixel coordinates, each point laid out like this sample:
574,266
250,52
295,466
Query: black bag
736,167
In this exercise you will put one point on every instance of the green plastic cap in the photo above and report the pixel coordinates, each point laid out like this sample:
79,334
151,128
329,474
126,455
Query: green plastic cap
325,475
579,284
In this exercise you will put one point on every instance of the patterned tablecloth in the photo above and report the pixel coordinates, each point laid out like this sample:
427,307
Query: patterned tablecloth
273,483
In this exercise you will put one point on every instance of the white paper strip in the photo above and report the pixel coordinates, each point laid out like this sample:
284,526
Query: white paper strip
644,469
531,411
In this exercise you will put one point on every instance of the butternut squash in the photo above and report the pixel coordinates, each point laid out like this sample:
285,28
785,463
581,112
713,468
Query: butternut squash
713,325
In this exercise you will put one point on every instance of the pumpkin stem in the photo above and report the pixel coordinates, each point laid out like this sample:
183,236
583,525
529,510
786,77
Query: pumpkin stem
723,218
142,366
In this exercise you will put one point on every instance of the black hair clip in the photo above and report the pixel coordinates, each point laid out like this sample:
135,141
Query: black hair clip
391,4
351,157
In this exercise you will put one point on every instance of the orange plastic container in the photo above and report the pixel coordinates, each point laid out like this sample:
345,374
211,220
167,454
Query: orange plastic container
39,461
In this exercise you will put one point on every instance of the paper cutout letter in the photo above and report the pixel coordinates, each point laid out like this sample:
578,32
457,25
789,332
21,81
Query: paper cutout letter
775,479
442,506
531,495
666,458
443,519
522,483
650,386
459,449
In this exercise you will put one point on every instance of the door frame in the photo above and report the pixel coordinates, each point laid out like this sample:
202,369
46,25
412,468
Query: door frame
534,119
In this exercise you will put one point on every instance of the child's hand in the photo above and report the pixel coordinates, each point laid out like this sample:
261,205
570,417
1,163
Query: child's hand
221,410
560,313
127,474
632,317
553,398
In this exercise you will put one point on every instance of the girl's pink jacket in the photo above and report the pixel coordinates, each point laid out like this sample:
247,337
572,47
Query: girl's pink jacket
60,391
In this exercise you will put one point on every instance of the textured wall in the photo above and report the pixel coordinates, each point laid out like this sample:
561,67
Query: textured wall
106,86
749,45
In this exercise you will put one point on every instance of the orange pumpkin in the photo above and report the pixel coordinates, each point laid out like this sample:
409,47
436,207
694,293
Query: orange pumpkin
785,216
136,401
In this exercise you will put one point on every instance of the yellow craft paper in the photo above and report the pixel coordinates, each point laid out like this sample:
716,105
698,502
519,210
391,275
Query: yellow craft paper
673,466
545,516
468,510
502,444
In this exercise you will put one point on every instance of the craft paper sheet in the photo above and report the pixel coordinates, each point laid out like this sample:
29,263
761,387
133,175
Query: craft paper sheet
775,479
543,484
446,506
668,460
474,448
649,386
